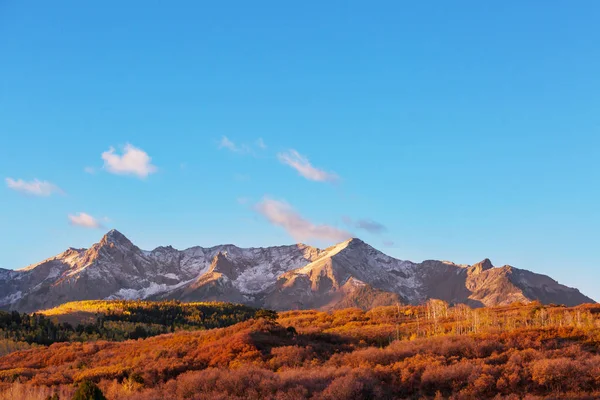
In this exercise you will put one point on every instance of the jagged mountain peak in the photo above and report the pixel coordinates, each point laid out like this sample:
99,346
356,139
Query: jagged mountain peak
481,266
115,237
358,244
111,244
485,264
164,250
221,256
354,241
69,256
76,249
352,244
280,277
223,265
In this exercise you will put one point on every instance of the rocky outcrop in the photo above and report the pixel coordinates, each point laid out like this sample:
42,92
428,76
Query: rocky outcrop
351,273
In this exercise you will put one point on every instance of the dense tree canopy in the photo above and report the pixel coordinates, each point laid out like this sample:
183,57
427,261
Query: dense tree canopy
118,320
425,352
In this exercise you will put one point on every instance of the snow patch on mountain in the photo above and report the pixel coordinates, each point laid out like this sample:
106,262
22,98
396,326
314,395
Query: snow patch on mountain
150,290
115,268
11,298
255,279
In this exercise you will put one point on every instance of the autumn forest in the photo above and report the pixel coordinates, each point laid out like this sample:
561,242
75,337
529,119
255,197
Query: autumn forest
171,350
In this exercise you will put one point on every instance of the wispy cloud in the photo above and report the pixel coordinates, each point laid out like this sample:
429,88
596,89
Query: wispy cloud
90,170
85,220
370,226
366,224
281,214
133,161
301,164
226,143
34,187
388,243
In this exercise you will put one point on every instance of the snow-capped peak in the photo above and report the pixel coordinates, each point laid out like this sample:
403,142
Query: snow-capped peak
279,277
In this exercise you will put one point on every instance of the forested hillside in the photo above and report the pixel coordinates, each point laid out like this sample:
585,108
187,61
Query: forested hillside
115,321
430,351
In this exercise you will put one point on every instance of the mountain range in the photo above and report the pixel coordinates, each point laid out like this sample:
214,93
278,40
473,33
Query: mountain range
349,274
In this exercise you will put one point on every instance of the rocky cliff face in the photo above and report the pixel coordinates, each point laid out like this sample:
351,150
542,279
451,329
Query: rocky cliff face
351,273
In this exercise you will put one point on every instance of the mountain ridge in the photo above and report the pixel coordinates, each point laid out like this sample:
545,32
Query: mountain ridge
278,277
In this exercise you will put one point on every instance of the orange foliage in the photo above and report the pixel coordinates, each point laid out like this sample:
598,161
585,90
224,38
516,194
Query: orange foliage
388,352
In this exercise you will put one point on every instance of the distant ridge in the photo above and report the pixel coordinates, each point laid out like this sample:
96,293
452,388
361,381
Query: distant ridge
351,273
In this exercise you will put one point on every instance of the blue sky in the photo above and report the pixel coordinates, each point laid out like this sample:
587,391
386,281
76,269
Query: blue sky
431,130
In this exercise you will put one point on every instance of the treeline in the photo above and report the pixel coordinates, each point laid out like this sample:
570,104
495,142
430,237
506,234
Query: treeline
178,315
34,328
382,325
120,320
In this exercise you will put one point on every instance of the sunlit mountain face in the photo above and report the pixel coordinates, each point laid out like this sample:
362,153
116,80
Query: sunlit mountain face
351,273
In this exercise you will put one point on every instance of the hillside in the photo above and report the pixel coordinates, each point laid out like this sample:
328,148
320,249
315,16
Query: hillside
430,351
281,278
116,320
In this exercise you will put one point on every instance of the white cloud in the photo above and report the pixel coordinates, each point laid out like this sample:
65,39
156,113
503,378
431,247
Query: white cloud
282,214
34,187
261,143
84,220
134,161
90,170
305,168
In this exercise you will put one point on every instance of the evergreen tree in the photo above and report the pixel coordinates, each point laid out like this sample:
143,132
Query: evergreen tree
88,390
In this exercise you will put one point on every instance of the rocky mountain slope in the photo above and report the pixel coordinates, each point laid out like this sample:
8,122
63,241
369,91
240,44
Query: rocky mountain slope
351,273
